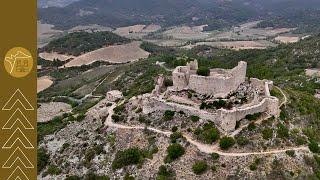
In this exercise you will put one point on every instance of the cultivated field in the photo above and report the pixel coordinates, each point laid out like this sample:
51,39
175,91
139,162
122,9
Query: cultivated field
287,39
46,33
245,36
236,45
43,83
53,55
113,54
136,31
90,28
47,111
186,32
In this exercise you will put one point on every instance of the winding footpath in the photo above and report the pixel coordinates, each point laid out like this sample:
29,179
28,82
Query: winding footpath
205,148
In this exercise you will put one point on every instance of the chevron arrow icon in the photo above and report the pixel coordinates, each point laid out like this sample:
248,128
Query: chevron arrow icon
18,157
16,98
17,174
17,135
18,117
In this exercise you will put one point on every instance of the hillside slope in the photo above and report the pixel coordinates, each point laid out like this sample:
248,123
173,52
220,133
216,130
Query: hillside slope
217,13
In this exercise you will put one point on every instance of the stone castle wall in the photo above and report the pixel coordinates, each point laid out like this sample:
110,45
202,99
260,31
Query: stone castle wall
152,104
229,118
219,85
179,78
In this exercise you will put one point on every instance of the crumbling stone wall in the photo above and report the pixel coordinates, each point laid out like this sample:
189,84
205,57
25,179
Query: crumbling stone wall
217,84
225,119
229,118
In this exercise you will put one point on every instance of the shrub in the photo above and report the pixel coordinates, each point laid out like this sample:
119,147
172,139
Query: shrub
199,167
226,142
92,176
194,118
317,159
117,118
168,115
165,173
43,159
314,147
98,149
53,170
254,165
218,104
174,152
168,82
283,114
252,117
267,133
215,156
127,157
175,136
291,153
90,153
242,141
119,109
128,177
80,117
174,129
207,134
251,126
203,71
73,178
282,131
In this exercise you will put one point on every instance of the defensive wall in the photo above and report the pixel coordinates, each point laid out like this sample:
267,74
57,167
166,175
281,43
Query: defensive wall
219,83
224,119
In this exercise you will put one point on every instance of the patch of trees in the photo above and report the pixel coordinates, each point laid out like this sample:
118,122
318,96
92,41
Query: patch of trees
155,49
81,42
199,167
226,142
207,133
203,71
217,104
127,157
174,151
168,115
165,173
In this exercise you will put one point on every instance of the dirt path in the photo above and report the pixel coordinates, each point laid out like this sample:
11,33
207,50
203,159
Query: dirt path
202,147
285,101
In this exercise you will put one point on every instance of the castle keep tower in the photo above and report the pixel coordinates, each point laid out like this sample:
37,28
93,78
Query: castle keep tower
219,83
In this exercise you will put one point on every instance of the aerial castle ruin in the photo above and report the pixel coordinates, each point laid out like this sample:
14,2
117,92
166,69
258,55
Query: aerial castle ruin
190,91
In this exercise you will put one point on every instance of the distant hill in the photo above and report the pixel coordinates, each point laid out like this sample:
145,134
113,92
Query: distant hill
216,13
54,3
81,42
115,13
